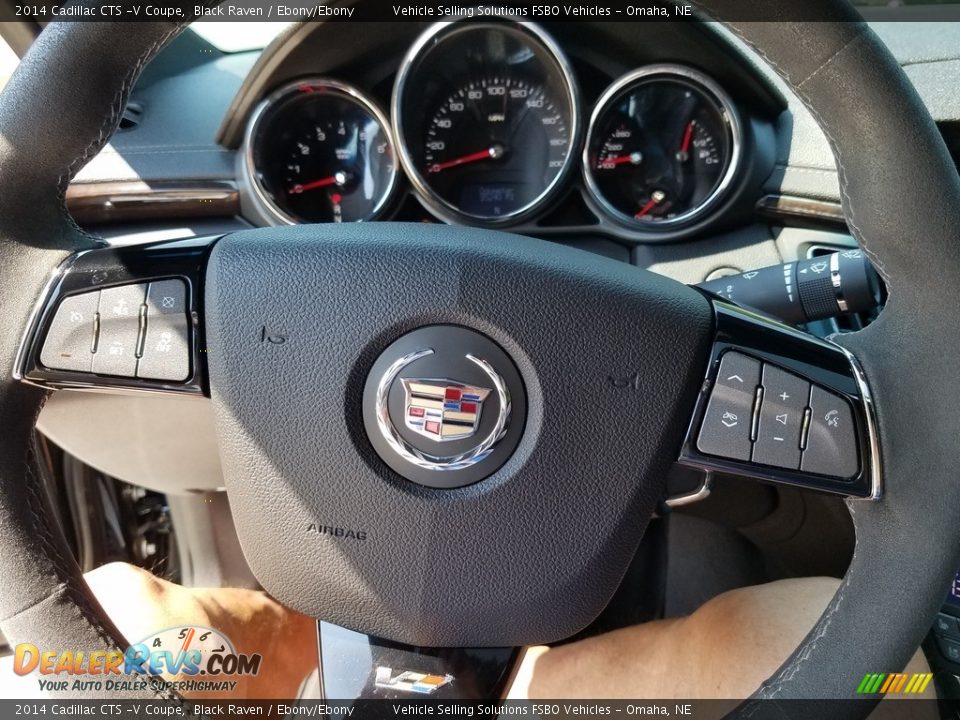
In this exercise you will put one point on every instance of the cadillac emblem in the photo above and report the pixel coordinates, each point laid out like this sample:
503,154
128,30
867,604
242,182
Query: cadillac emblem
442,410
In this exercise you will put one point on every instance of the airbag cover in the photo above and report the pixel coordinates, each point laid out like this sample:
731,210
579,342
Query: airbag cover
610,356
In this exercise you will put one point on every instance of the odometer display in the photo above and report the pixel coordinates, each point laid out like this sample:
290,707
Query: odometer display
662,148
321,152
487,116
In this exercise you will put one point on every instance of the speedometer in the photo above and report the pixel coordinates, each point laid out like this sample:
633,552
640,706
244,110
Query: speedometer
486,120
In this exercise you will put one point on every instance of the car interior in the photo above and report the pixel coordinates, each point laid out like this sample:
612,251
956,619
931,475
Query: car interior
462,335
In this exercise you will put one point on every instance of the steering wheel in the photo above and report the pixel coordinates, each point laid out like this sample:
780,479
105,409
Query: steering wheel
590,371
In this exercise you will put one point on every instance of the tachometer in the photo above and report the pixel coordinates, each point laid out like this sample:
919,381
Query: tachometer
320,151
486,119
663,147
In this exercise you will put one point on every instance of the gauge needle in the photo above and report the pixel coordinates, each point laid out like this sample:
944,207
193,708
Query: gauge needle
684,152
491,153
656,198
337,179
634,158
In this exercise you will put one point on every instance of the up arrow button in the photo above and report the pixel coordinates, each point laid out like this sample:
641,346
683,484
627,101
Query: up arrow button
726,425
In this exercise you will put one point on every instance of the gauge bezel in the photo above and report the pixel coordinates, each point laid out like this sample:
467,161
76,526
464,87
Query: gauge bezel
439,32
728,111
320,85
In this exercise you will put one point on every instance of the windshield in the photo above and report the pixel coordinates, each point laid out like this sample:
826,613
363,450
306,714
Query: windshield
238,36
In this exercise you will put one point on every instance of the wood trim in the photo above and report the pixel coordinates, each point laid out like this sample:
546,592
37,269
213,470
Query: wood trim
786,206
110,202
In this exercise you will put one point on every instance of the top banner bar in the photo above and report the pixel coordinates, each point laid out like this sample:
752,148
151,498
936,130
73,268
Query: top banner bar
403,10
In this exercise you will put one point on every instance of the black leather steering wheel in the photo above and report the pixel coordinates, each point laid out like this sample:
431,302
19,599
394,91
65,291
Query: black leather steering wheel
62,105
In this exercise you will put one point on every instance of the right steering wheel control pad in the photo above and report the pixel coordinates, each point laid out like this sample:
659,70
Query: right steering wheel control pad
783,406
760,413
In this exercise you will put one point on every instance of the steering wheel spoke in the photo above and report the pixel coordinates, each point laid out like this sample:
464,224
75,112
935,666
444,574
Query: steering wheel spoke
121,318
783,406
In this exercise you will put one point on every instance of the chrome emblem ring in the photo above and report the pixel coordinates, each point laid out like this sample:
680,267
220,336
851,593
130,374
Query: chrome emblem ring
442,410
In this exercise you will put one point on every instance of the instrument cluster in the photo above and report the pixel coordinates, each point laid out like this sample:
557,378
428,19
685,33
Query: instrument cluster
486,126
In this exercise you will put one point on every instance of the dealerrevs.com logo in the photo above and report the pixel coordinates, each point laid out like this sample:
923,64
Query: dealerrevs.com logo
202,655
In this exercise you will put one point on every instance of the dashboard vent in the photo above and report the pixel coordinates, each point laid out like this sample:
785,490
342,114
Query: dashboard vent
131,117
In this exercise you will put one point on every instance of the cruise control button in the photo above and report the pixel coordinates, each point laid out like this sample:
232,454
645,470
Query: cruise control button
166,348
167,297
831,447
781,415
69,342
726,424
119,328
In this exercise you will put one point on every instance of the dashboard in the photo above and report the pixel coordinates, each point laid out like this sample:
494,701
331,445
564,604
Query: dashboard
501,123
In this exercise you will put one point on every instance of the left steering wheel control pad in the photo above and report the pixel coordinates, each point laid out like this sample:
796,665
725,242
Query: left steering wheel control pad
139,330
123,317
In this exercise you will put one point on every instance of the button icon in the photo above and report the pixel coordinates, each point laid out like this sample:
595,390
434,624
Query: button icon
784,396
729,419
116,348
782,419
736,377
168,302
833,418
818,267
75,316
164,343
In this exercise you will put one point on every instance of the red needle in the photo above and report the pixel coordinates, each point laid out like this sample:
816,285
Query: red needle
651,204
490,152
656,198
619,160
312,185
687,136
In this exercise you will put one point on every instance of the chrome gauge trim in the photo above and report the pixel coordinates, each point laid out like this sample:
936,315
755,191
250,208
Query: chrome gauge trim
714,91
321,85
437,33
425,460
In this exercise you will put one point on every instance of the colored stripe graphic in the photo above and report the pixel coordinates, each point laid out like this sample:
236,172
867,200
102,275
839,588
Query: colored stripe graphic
893,683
